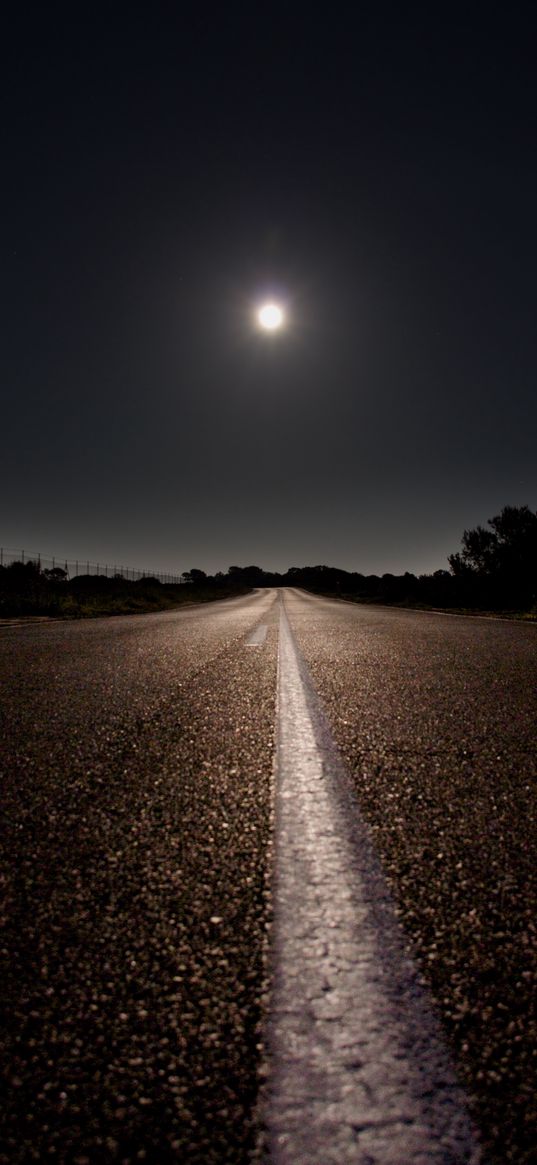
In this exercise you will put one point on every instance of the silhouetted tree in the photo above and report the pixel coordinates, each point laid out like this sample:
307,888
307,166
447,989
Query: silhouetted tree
503,558
55,574
478,552
248,576
194,576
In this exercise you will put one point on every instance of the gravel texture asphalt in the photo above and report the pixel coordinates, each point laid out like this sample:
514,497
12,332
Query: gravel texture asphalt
136,771
435,718
137,791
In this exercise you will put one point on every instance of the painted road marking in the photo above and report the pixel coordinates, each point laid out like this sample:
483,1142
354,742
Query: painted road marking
258,636
357,1072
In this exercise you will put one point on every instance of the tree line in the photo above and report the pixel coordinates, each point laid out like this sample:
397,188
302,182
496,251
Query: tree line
495,570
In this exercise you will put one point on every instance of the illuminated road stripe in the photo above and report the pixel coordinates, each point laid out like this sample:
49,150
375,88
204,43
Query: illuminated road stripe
258,636
357,1072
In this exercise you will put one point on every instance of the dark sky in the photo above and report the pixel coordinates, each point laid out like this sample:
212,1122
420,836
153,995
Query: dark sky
168,165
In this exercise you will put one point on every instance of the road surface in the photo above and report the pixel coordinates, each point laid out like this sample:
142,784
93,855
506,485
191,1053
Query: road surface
145,847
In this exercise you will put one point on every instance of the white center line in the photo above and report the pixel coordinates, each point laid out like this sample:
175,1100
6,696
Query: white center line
357,1072
258,636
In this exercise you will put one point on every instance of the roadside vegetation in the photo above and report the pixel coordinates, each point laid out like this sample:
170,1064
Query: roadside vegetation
494,572
27,590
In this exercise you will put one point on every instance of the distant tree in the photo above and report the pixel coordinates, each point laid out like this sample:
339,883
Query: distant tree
504,556
515,530
253,576
478,552
22,576
248,576
24,569
194,576
55,574
25,580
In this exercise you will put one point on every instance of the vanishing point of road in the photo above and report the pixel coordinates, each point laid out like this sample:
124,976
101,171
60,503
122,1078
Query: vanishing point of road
268,874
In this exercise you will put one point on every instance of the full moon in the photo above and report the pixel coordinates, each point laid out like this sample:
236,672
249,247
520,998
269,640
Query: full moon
270,317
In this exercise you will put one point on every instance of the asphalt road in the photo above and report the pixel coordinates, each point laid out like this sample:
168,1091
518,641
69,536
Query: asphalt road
137,774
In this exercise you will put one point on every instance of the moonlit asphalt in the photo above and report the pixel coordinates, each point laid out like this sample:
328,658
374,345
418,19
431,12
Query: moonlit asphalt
137,774
136,761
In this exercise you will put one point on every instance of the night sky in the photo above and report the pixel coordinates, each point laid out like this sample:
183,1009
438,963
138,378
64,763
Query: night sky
168,166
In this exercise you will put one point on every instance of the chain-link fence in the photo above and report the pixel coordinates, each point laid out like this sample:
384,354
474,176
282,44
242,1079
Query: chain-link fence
70,568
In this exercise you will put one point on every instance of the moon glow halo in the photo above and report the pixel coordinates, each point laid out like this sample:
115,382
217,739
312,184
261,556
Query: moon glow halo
270,317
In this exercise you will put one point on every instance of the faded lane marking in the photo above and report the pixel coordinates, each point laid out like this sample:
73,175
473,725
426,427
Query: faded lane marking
258,636
357,1071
